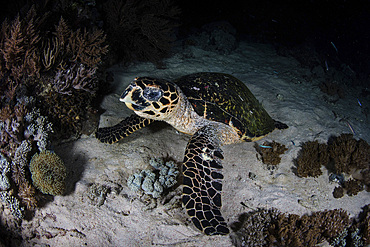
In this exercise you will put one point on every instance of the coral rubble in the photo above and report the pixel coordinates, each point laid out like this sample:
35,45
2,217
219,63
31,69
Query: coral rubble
97,194
48,173
154,182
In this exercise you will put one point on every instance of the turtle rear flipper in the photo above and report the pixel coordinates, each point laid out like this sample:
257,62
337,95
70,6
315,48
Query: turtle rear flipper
203,182
122,129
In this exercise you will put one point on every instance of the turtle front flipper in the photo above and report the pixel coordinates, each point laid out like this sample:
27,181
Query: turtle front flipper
123,129
203,182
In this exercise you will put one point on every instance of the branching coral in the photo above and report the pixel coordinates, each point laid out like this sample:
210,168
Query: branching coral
66,112
364,223
20,162
343,154
309,230
46,68
38,127
310,159
341,149
87,47
19,169
4,169
20,56
270,152
39,58
77,77
358,234
11,126
251,229
272,228
353,186
13,204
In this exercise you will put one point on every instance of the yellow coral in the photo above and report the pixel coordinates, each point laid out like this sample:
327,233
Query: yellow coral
48,173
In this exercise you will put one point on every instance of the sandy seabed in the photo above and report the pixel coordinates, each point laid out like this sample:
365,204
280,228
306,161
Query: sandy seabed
100,210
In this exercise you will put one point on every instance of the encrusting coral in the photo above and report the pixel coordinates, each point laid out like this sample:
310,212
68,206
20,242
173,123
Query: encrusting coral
48,173
154,182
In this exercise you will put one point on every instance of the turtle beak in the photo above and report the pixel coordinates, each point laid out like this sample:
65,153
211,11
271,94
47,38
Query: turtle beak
132,98
126,97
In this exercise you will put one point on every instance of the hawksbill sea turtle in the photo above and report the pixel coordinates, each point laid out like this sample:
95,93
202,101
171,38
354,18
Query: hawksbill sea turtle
215,109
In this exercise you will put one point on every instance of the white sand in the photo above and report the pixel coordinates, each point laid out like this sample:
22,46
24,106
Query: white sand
122,220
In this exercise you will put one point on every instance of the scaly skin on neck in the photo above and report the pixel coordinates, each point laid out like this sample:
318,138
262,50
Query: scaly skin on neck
186,120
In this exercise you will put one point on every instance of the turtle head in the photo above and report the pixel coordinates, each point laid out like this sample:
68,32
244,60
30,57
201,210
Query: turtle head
151,98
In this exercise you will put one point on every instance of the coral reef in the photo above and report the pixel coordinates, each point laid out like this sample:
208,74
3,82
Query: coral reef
39,58
38,127
264,227
19,175
309,230
251,229
12,125
140,30
154,182
49,66
353,186
340,150
358,234
310,159
270,152
67,112
13,204
351,157
363,223
48,173
76,77
342,155
4,169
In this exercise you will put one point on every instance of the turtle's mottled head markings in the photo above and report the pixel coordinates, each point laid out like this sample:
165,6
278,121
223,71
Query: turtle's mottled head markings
151,98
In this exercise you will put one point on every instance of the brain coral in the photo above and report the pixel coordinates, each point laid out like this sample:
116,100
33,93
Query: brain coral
48,173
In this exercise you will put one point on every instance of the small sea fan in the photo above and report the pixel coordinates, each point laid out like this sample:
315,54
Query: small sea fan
48,173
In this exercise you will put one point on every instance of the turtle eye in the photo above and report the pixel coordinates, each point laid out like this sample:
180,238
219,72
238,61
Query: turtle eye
152,94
